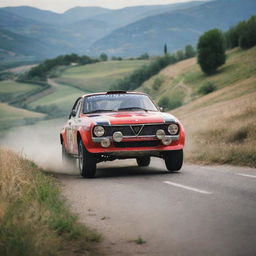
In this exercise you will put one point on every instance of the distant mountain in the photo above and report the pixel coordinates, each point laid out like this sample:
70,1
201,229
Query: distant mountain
58,40
128,31
76,29
81,13
71,16
125,16
176,28
35,14
12,44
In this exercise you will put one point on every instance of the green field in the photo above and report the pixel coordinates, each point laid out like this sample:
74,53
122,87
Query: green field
63,97
183,79
10,89
12,116
99,76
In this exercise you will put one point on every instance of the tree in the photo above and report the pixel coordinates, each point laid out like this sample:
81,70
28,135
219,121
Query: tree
143,56
165,49
211,51
180,55
189,51
248,35
103,57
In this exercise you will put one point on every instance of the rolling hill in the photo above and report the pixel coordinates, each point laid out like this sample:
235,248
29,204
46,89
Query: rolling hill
176,28
220,126
99,76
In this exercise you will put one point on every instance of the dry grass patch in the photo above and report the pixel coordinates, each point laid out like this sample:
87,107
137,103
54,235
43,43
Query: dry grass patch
223,132
34,219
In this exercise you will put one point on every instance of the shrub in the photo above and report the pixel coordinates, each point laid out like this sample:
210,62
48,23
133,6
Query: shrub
157,83
103,57
206,88
168,104
211,51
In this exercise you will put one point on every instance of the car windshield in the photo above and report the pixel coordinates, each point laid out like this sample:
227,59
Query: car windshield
118,102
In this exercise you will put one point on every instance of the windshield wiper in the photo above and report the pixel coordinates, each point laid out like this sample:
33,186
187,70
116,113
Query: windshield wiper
99,110
131,108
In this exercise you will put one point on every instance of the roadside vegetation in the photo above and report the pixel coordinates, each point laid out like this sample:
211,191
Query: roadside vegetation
139,76
218,111
34,218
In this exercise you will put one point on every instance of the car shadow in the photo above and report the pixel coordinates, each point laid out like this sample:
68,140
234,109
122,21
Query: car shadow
131,171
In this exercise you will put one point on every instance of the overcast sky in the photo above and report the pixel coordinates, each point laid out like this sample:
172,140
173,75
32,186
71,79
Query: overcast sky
63,5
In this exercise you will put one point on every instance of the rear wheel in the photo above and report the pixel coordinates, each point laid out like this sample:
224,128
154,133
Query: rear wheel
86,162
174,160
143,161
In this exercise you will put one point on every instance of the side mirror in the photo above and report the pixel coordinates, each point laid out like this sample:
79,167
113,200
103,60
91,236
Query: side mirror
161,109
73,113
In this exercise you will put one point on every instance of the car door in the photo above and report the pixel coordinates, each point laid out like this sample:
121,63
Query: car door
76,123
72,126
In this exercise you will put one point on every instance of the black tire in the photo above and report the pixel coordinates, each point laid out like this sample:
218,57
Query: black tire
174,160
86,162
143,161
67,159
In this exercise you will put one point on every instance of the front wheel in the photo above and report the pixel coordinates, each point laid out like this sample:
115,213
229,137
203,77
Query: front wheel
143,161
87,162
174,160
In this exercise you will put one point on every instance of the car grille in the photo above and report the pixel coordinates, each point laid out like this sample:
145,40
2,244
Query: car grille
135,144
136,130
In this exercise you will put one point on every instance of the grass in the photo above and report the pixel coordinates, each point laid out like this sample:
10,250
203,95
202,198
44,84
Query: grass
184,79
34,218
139,240
63,97
12,116
10,89
240,65
98,77
172,82
221,126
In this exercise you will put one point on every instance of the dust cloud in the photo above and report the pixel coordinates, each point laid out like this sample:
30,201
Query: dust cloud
39,143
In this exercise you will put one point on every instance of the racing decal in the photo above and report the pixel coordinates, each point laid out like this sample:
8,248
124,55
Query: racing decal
100,120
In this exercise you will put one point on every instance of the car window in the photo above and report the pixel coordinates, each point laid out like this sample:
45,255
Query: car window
75,107
78,109
118,102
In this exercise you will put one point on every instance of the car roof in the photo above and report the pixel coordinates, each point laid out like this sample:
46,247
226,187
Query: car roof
112,92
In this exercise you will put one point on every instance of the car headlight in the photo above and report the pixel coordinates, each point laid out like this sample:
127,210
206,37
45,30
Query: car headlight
173,129
160,134
98,131
117,136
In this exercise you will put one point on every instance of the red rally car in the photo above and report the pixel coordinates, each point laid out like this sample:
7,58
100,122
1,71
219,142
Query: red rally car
120,125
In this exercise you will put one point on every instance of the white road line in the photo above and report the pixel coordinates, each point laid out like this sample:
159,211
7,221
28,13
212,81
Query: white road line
247,175
188,188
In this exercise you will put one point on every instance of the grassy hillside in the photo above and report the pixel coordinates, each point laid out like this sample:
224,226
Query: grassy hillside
220,126
184,79
34,218
62,96
99,76
12,116
10,89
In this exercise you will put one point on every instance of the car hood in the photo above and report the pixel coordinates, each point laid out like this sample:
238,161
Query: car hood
132,117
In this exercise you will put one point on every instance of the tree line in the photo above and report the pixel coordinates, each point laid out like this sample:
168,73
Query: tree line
41,71
212,44
139,76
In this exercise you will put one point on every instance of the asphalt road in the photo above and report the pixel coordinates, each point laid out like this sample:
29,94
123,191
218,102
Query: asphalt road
199,211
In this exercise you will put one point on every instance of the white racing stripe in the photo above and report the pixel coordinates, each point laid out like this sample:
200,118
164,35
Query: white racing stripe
188,188
246,175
